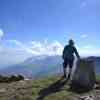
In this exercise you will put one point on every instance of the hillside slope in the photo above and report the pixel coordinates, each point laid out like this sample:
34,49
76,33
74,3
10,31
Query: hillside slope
49,88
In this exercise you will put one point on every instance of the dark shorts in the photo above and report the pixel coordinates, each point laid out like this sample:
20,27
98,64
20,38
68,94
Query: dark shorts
68,63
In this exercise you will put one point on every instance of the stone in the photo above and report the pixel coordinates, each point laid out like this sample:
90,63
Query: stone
3,90
84,76
87,98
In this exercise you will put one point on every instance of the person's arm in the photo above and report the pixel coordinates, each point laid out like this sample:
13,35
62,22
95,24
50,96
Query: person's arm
76,52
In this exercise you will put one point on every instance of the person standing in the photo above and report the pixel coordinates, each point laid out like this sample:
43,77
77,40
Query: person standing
68,57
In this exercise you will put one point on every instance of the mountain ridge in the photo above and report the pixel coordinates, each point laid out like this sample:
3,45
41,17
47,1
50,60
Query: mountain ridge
42,66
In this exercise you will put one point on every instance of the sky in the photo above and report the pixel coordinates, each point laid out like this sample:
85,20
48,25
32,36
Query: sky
39,27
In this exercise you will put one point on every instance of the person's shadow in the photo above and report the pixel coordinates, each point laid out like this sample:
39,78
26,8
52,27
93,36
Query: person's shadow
53,88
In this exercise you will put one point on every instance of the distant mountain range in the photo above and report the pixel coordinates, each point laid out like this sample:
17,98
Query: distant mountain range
39,66
35,67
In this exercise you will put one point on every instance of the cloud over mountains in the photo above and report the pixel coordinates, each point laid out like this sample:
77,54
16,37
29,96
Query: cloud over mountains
39,48
15,51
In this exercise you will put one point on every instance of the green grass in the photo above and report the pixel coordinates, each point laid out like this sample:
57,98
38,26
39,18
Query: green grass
98,77
44,86
41,90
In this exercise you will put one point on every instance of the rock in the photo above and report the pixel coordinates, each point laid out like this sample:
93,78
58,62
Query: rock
3,90
12,78
87,98
84,76
20,77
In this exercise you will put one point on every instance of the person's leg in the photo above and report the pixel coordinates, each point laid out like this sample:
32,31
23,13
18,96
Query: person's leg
69,75
64,68
70,68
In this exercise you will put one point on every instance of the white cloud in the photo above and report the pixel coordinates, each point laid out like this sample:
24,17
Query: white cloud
1,33
84,36
45,48
39,48
15,51
89,50
21,46
88,47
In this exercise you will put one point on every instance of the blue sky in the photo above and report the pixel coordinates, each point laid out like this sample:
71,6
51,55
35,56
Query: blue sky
31,27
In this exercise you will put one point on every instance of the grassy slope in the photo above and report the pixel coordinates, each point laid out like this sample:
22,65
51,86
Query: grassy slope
47,89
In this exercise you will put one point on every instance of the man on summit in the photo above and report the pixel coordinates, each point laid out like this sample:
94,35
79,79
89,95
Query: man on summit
68,57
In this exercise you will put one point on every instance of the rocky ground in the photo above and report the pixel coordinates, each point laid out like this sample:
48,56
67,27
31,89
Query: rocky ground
51,88
21,90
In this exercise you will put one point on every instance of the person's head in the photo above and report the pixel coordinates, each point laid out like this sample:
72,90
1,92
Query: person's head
71,42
